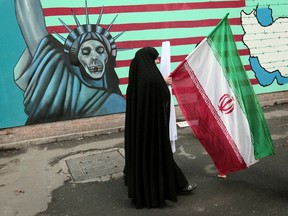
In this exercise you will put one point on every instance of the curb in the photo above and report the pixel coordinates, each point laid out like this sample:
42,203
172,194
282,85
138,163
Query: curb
54,139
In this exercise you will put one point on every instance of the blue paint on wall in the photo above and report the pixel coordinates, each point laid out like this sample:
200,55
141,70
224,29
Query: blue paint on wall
264,77
264,16
12,45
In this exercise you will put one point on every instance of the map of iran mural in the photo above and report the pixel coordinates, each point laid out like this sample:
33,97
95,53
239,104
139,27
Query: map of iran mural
134,25
268,51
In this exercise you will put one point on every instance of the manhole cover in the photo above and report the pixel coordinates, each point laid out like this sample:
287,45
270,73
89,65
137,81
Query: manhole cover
97,165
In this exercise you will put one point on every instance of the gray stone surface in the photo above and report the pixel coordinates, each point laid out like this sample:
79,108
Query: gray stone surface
36,180
103,163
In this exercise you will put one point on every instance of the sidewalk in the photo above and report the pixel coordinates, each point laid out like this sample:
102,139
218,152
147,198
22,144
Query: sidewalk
84,177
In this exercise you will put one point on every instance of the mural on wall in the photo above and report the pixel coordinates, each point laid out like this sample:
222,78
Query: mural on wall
266,40
67,81
50,81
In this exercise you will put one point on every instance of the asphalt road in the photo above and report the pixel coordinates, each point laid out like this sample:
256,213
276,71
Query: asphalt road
35,181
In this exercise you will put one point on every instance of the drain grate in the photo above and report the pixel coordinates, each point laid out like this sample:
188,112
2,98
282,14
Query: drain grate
97,165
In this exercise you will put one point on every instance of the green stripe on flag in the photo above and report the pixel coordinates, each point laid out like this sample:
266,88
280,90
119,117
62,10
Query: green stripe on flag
223,45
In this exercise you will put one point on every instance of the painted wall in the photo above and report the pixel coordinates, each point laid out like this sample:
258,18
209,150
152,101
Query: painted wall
263,49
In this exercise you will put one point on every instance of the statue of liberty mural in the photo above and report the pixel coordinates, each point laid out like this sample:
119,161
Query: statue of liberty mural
69,81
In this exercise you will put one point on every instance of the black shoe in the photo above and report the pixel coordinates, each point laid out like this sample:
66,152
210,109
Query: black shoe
188,188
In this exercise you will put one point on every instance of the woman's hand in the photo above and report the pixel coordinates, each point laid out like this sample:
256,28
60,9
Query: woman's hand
168,80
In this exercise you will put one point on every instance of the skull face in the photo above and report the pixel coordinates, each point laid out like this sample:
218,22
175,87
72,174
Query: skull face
93,57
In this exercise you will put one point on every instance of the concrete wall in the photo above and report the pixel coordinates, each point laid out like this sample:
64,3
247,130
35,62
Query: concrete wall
77,129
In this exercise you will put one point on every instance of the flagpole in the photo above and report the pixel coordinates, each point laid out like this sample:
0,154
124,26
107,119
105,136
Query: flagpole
165,70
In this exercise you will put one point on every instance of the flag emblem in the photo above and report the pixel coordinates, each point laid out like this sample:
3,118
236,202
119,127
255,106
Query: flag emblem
226,104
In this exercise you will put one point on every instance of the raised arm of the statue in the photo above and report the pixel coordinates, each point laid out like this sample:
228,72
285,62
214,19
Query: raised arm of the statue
31,21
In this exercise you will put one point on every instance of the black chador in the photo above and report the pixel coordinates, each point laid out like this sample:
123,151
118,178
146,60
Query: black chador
151,173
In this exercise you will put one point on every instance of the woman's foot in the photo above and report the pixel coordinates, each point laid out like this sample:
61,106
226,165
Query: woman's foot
222,176
189,188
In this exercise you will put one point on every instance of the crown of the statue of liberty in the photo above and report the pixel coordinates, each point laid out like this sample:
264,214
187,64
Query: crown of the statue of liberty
97,29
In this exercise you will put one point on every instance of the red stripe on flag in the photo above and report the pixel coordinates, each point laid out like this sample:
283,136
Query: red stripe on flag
126,63
153,25
123,81
254,81
202,118
144,8
247,67
158,43
179,58
243,52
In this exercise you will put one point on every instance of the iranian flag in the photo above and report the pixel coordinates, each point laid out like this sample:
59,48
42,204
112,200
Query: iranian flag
219,103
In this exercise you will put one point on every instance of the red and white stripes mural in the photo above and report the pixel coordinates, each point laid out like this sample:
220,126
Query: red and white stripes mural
135,24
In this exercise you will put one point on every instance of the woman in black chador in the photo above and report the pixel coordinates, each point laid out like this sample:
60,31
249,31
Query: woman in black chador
151,174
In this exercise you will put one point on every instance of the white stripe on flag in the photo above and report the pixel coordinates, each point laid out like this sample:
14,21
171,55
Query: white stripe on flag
212,80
